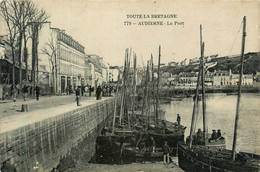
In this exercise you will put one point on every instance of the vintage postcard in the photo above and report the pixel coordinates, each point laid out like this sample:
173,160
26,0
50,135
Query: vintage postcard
135,85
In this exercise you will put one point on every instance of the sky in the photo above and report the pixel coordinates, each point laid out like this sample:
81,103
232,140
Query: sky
99,26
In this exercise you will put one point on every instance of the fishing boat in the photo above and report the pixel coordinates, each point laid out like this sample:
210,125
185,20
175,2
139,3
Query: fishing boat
164,130
201,158
194,157
122,132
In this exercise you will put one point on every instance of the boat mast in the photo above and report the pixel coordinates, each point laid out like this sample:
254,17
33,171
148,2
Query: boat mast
194,112
127,86
205,128
115,109
158,80
134,87
123,88
147,93
239,89
153,88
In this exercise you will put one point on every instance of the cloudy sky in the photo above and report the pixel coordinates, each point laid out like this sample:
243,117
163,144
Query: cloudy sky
99,26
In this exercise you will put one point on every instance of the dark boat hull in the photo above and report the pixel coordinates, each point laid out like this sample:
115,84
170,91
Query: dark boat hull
172,140
109,149
191,161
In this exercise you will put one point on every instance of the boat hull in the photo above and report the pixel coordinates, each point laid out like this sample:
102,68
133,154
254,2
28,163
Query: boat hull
192,161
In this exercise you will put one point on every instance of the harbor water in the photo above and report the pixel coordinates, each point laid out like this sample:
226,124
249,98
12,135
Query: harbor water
220,112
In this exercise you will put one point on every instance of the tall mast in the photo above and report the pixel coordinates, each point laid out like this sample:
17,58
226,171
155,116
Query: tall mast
126,87
205,128
239,89
123,88
194,112
158,80
115,109
153,91
134,86
147,93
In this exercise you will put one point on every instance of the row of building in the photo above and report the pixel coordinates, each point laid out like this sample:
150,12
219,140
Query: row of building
216,78
193,61
62,62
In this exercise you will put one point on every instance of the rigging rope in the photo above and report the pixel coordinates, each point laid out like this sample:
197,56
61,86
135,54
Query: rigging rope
235,38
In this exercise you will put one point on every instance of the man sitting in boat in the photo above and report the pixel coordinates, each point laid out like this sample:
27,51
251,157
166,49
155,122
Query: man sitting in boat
214,136
219,133
199,138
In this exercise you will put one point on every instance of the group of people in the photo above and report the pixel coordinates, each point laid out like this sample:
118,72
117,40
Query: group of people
82,90
214,136
105,91
25,90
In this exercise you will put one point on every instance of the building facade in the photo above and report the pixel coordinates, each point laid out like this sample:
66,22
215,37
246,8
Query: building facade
66,67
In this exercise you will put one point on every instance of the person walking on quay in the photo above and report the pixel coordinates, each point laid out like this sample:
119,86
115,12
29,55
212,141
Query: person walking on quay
25,92
82,90
98,92
86,90
67,90
89,90
110,90
166,152
37,90
14,92
77,96
178,119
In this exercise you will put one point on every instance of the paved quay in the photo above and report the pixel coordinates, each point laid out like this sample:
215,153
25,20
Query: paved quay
134,167
11,116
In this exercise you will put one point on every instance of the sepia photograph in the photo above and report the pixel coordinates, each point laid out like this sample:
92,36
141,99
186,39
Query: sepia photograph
129,85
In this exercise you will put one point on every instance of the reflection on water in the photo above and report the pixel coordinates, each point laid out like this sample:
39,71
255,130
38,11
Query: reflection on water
220,111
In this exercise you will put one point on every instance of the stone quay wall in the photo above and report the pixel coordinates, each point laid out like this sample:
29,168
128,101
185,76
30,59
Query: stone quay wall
69,137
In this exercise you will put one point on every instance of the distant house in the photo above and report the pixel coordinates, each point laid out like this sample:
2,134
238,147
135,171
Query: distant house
185,62
174,64
173,80
222,78
257,76
187,78
114,72
194,60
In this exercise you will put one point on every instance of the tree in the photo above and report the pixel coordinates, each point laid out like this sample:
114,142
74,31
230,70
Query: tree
50,49
19,14
36,24
8,14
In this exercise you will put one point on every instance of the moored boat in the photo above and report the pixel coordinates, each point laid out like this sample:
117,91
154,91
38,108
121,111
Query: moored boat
201,158
194,157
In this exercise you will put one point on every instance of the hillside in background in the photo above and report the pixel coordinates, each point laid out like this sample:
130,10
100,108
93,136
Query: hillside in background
251,65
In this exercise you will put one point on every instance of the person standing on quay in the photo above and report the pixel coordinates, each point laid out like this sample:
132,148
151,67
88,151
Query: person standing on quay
178,119
98,92
166,152
14,92
77,95
89,90
25,92
37,90
82,90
